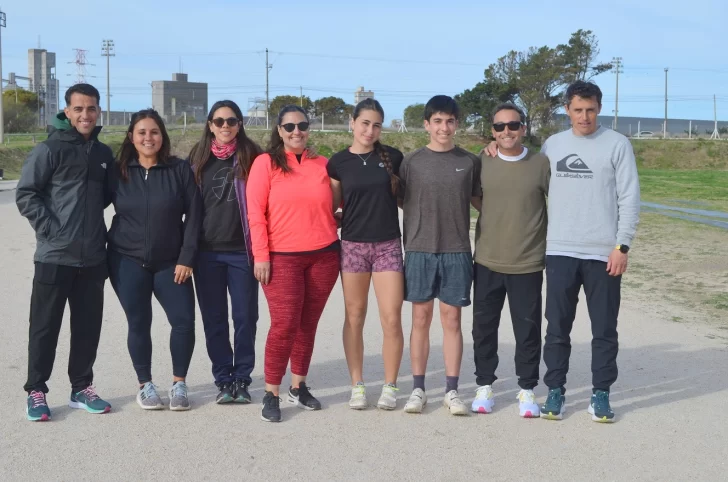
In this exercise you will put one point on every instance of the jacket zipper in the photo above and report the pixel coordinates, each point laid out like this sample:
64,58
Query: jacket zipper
146,221
89,145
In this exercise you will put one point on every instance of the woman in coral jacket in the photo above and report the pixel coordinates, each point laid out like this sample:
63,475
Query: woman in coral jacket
295,250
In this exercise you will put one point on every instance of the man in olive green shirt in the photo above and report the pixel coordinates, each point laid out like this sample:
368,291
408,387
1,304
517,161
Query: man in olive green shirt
510,252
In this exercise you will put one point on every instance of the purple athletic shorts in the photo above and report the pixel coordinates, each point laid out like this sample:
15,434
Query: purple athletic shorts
371,257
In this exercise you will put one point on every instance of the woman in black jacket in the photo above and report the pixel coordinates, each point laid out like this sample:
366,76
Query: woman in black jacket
152,250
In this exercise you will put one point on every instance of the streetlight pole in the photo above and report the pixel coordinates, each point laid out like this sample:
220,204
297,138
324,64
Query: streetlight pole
107,50
3,23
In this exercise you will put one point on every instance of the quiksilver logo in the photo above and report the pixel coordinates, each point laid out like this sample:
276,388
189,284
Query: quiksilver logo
568,164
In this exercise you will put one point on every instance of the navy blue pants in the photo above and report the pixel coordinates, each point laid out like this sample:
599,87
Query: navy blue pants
216,275
134,285
564,278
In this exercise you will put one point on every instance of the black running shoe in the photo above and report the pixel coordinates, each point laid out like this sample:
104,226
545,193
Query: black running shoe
240,392
271,408
226,394
302,398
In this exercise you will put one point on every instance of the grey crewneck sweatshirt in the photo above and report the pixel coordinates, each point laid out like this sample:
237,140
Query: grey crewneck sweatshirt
594,196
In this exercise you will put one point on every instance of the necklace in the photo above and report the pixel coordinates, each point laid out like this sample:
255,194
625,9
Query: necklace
367,158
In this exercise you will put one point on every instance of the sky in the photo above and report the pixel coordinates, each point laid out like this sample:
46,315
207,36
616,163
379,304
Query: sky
405,51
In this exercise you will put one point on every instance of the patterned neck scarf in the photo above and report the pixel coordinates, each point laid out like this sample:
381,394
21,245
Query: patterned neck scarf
223,151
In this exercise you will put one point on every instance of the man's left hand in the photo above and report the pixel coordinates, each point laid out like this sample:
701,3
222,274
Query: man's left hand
617,263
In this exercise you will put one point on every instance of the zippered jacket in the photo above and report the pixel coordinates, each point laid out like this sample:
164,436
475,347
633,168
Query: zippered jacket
61,192
158,213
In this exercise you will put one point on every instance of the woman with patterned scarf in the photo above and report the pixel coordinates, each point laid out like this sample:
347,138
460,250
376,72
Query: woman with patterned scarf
221,161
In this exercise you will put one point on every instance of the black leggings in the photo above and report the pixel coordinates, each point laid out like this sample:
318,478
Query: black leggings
134,286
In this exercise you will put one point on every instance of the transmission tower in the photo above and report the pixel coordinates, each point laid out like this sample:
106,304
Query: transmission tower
402,126
81,64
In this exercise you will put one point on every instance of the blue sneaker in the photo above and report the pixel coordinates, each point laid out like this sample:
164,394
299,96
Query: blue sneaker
89,401
37,409
553,409
599,407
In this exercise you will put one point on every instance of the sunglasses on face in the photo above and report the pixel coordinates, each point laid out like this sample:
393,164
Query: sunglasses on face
512,126
231,121
290,127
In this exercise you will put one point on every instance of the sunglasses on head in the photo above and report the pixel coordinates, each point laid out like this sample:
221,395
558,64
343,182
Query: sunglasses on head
290,127
512,126
231,121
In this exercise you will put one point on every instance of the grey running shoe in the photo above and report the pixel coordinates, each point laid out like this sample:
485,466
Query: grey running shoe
148,399
178,400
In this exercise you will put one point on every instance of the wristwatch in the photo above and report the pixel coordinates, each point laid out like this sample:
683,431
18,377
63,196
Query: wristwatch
623,248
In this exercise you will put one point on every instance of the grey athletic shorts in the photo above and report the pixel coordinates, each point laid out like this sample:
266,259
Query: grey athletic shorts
445,276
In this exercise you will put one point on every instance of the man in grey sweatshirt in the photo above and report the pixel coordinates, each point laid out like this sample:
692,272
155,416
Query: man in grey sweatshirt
593,212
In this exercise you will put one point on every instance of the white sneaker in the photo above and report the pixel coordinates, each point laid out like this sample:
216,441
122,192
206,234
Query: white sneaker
358,400
527,406
416,401
454,404
388,399
484,400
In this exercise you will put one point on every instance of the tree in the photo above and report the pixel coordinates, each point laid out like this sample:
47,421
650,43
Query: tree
280,101
414,115
18,117
578,57
334,110
22,96
536,78
478,103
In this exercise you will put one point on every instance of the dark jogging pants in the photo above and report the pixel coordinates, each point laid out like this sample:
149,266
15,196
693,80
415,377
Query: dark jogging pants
564,278
83,290
524,301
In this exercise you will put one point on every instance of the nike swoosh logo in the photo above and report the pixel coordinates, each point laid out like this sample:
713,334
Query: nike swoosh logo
458,170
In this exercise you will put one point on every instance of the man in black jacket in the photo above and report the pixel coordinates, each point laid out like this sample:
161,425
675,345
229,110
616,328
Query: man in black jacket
62,194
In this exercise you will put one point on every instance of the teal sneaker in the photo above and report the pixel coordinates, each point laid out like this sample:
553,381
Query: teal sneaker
553,409
37,409
89,401
599,407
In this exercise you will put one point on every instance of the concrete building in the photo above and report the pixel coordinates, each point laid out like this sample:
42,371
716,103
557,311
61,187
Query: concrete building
360,94
172,98
43,81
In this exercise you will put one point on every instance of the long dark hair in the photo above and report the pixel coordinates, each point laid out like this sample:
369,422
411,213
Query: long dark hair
127,152
371,104
276,149
246,152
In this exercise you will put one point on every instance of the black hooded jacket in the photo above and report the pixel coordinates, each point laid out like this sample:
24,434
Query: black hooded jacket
148,225
61,192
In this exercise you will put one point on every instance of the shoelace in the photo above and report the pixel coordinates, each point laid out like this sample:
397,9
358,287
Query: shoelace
303,391
389,387
90,393
274,402
602,400
38,399
526,396
482,392
554,397
179,389
358,390
149,390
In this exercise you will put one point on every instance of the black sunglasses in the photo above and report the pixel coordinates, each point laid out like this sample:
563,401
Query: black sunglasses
512,126
231,121
290,127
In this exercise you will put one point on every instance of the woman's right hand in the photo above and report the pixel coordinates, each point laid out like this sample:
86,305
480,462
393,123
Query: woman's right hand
261,271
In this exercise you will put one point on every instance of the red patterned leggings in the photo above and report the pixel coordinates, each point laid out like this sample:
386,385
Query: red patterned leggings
297,293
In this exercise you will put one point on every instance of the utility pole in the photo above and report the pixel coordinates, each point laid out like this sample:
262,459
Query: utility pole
267,91
302,97
664,126
617,63
107,50
716,133
39,94
2,121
